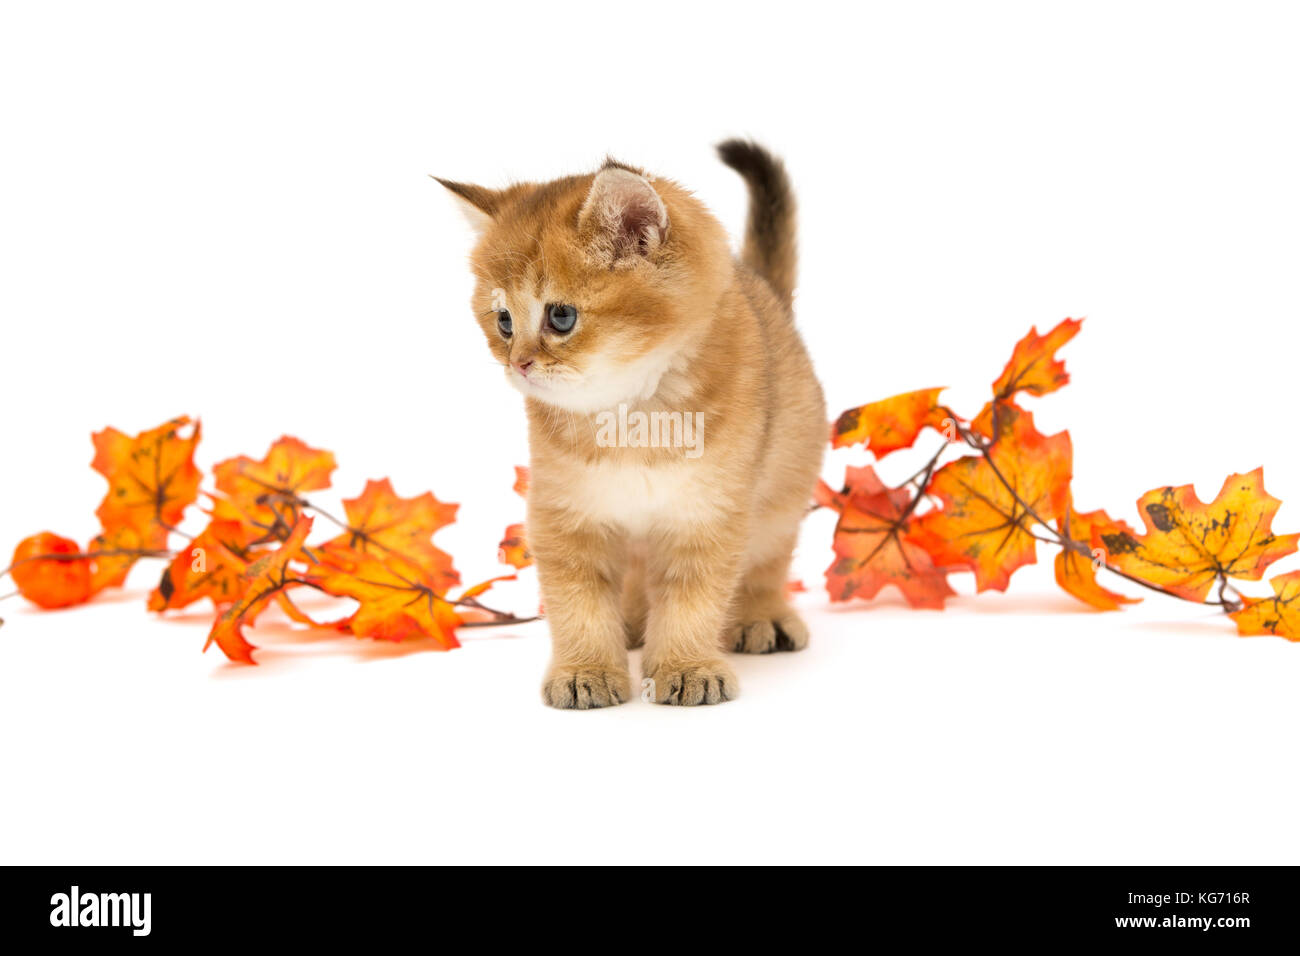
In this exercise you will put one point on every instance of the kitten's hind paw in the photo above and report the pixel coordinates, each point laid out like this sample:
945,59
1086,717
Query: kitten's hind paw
706,682
786,632
574,687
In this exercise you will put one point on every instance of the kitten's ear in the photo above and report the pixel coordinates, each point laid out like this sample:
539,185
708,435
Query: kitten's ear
623,218
478,203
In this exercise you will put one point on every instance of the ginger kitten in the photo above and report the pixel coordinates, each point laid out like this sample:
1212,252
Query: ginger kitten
676,427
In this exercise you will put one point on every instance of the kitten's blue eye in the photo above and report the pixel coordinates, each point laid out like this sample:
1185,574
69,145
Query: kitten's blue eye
561,318
504,323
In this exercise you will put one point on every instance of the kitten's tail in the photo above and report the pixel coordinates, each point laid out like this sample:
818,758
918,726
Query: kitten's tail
769,235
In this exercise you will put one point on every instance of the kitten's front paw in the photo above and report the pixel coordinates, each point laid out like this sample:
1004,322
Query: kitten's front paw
582,687
786,632
702,682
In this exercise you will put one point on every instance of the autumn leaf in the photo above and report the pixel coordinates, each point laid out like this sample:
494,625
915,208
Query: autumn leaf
1076,571
213,566
824,496
116,552
1002,416
513,549
857,481
478,590
1278,615
1189,545
265,494
892,423
873,549
396,603
989,504
294,613
382,524
264,579
1034,367
152,478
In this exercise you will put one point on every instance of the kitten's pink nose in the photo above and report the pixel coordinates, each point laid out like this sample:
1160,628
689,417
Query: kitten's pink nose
523,367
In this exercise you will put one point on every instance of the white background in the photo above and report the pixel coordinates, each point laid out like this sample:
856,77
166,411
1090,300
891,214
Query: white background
225,212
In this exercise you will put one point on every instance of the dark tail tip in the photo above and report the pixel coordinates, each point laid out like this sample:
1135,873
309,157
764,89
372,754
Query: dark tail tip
747,158
769,237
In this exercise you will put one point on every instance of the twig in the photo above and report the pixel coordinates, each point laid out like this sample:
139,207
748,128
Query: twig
88,555
501,623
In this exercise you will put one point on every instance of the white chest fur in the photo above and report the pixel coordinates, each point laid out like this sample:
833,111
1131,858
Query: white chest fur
637,497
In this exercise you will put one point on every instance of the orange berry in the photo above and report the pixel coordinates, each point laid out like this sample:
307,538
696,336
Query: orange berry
51,582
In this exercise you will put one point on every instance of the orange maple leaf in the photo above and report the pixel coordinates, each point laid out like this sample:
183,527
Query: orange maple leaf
152,479
484,586
1002,416
265,494
990,504
513,549
385,525
213,566
892,423
522,478
1279,615
1076,572
396,603
824,496
1034,367
264,580
1188,545
873,548
116,552
857,481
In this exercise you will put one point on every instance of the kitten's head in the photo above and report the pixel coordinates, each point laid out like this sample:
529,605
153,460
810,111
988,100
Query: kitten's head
589,288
